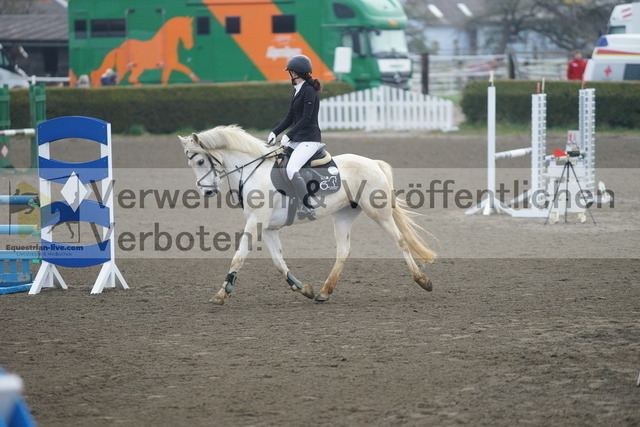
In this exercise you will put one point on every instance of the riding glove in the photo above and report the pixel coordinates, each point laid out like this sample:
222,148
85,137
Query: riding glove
271,139
285,140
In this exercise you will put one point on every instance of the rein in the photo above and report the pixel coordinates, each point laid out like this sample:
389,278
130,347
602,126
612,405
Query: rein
225,174
240,168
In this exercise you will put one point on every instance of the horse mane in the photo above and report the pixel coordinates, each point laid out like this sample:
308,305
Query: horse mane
232,137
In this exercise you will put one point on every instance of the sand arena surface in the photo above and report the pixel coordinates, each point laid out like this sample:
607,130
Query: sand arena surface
527,324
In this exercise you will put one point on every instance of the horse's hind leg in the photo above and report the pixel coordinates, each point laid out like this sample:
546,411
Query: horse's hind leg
342,222
384,217
272,240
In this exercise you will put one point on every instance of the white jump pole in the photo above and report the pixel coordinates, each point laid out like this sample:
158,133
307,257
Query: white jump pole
14,132
518,152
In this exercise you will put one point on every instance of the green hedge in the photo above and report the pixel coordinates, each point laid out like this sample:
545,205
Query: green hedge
171,108
617,103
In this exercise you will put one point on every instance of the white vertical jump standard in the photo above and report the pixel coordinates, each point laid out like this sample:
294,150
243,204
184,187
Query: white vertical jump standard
538,151
75,207
490,202
587,141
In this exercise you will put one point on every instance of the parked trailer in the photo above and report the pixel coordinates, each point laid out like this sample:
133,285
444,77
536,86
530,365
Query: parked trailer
183,41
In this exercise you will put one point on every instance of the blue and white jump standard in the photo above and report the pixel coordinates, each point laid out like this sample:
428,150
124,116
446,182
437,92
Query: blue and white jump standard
75,206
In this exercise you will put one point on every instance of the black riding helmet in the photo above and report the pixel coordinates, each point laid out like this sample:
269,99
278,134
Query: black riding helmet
300,64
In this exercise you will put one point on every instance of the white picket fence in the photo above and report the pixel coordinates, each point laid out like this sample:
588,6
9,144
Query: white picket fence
385,107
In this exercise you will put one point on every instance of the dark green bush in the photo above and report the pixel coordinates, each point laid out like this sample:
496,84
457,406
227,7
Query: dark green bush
617,103
167,109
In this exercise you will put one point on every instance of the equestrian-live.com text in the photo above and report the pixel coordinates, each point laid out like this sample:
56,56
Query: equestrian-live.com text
23,249
19,248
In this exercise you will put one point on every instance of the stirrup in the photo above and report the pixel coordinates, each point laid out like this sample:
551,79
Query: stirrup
306,213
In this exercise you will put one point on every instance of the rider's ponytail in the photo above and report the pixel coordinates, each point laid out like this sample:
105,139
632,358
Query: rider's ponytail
313,82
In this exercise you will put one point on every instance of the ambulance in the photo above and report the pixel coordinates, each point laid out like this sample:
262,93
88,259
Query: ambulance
616,56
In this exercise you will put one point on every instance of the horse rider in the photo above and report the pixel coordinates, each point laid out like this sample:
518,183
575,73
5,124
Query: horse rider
304,135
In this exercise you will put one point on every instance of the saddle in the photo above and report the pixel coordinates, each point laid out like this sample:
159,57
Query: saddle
320,173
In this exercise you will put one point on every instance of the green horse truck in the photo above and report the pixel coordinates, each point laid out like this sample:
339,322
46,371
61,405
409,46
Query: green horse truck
361,42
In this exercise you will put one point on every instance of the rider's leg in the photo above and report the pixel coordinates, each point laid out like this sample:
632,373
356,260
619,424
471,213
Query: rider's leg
300,187
301,154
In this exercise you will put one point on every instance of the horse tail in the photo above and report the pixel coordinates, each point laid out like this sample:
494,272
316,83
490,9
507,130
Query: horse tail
411,232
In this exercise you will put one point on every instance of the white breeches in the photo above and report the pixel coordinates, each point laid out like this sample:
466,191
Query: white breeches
301,153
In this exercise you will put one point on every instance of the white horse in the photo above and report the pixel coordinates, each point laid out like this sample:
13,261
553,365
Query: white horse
246,162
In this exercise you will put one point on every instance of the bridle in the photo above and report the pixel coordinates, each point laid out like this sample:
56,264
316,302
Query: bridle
225,174
216,173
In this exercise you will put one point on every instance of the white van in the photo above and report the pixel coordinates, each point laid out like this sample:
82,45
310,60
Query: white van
10,74
616,57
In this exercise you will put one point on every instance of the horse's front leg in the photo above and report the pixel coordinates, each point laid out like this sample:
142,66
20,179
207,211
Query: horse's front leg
249,238
275,249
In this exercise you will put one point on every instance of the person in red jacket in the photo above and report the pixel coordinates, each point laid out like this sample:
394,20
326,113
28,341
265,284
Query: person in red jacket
576,66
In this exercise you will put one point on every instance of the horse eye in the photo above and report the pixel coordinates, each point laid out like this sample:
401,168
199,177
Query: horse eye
200,162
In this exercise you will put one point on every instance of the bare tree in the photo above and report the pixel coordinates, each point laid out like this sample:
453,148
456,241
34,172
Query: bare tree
508,22
573,24
419,19
568,24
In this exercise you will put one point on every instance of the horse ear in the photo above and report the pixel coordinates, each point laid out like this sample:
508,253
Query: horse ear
196,140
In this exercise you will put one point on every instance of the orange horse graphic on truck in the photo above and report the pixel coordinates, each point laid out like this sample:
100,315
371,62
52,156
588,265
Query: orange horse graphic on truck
161,52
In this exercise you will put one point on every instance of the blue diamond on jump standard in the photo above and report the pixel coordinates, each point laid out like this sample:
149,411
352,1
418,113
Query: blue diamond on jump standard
74,191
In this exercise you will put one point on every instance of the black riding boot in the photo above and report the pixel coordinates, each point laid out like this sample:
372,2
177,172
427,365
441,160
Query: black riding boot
300,188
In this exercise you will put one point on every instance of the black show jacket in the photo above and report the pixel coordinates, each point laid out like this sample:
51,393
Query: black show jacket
302,116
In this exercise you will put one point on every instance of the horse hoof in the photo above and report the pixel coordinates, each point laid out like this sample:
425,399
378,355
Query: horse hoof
425,283
307,291
321,297
217,300
220,297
